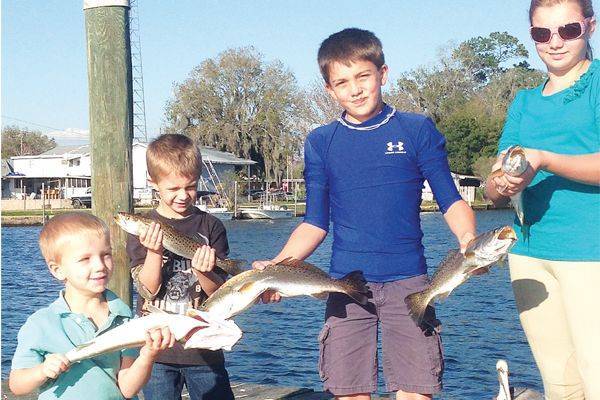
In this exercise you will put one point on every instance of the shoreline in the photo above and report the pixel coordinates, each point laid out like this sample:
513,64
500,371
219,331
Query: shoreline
38,219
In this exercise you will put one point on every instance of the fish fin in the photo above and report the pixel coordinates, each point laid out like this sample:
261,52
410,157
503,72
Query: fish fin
417,304
84,345
480,271
198,238
320,296
291,262
452,255
153,309
231,266
356,286
525,231
246,287
496,172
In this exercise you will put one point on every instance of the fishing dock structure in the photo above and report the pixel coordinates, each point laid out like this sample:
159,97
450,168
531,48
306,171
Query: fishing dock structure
241,391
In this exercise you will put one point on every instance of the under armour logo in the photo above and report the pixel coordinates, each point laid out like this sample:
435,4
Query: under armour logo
395,148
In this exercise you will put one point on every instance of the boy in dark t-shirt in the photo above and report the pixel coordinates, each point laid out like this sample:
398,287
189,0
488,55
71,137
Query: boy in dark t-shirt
174,283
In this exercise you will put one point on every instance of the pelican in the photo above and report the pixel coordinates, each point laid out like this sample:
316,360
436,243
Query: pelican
511,393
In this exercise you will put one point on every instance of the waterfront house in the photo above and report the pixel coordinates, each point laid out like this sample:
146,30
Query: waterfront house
466,185
66,171
8,184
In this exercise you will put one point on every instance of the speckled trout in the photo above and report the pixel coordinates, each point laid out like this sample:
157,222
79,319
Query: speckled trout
480,255
514,163
289,277
197,330
174,240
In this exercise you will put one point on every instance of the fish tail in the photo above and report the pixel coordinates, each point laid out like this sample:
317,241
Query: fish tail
525,231
231,266
356,286
417,304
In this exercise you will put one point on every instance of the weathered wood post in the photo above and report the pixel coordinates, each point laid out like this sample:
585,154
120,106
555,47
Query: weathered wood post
111,123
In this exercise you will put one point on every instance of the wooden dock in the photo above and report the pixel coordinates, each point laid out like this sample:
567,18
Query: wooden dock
242,391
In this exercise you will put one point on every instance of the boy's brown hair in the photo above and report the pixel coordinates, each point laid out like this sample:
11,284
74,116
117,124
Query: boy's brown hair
173,153
351,44
62,228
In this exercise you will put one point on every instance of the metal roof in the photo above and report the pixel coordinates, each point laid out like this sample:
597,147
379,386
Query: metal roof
215,156
208,154
221,157
74,150
6,167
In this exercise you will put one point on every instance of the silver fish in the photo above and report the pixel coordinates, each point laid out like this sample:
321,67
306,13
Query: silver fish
196,330
174,240
514,163
481,253
289,277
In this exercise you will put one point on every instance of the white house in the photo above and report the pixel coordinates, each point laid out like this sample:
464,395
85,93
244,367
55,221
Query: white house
466,185
67,170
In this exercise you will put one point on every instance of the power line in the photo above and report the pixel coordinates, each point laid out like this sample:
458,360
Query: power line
31,123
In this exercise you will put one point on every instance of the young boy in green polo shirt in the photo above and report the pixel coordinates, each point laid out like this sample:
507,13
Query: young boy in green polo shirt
76,247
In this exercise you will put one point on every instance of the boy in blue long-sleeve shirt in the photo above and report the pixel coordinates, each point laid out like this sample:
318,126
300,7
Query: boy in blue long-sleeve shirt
364,173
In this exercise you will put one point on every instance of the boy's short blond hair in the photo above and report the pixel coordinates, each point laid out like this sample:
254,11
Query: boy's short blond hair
347,46
173,153
62,228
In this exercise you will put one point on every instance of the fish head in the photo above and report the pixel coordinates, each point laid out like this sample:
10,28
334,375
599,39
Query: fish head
130,223
492,246
514,162
215,334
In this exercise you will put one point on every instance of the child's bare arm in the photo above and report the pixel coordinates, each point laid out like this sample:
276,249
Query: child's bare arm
150,274
26,380
134,373
461,221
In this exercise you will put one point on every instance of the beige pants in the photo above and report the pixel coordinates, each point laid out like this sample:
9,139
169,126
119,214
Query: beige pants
559,307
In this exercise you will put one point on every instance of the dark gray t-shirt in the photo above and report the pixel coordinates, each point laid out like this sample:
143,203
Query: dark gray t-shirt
180,288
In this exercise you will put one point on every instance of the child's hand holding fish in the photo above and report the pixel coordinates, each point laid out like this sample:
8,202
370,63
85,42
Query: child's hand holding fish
269,296
54,365
157,339
204,259
508,185
152,237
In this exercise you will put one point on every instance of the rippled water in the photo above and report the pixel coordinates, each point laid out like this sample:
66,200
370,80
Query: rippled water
279,347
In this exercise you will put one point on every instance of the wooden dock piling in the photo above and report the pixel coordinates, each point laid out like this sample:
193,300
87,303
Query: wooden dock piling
111,123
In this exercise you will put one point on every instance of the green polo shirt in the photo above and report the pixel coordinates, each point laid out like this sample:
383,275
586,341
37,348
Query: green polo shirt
55,329
563,215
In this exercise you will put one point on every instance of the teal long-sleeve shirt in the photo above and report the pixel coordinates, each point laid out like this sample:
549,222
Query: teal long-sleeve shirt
563,215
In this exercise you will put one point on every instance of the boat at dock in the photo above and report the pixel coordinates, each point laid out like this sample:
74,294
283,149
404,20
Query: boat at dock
220,212
205,202
266,211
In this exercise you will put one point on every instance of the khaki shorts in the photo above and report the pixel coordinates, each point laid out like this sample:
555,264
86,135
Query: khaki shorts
412,355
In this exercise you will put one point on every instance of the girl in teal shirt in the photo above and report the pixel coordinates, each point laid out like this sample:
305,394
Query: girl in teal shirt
555,267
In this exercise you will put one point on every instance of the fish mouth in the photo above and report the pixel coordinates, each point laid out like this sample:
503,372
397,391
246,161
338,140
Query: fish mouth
507,233
516,150
192,333
126,223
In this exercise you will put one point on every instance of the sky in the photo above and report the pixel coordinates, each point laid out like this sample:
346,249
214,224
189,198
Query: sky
44,64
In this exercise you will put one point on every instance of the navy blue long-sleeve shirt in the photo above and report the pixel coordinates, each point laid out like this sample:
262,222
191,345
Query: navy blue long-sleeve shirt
367,179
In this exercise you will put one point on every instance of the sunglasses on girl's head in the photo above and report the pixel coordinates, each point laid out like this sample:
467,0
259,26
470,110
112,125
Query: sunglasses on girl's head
570,31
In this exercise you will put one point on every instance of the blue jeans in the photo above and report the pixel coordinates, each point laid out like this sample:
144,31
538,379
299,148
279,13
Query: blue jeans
204,382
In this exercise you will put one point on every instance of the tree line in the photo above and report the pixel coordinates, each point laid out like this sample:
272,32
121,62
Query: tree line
238,102
17,141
